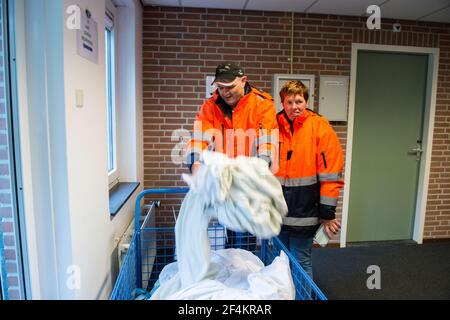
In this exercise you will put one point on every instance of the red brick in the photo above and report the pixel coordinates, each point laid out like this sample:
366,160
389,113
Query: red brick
13,294
11,267
4,169
3,139
7,227
201,38
5,183
10,254
5,198
8,240
5,212
12,281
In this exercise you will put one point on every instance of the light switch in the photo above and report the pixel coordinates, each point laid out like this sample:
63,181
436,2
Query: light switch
79,98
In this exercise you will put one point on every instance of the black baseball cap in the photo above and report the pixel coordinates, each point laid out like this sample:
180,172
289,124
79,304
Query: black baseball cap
226,72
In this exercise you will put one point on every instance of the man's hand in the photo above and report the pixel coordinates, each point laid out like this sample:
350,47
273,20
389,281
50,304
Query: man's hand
195,166
331,226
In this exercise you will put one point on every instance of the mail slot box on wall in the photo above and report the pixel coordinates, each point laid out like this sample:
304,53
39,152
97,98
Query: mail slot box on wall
333,101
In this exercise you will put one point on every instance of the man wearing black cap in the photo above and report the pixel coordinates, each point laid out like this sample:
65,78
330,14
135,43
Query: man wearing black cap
234,105
230,81
237,120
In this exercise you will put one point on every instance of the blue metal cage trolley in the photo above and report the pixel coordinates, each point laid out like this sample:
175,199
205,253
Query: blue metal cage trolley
152,248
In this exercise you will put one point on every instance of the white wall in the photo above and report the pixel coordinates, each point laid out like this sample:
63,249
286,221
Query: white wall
87,155
64,151
93,231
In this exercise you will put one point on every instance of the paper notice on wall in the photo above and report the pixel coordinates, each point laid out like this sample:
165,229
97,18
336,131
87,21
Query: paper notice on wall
209,86
87,39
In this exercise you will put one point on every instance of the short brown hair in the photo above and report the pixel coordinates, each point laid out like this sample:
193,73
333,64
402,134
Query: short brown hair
294,87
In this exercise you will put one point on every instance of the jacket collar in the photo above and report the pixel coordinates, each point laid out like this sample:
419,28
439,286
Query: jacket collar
288,125
226,109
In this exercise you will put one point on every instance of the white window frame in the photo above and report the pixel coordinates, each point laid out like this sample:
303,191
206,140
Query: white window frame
114,174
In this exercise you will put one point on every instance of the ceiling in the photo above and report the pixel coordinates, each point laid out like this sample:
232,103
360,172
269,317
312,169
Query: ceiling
417,10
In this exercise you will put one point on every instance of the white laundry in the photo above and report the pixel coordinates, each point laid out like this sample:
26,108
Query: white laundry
241,276
241,193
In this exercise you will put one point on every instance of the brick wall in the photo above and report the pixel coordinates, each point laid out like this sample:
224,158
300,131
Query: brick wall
8,254
183,45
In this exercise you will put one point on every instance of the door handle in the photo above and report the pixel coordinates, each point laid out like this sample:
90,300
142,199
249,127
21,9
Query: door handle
417,151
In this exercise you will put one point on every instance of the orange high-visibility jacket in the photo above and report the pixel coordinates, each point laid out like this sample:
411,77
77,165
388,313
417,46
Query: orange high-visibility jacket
310,170
244,130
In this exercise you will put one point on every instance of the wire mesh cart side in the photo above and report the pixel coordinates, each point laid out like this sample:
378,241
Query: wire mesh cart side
125,285
151,249
305,288
140,229
129,281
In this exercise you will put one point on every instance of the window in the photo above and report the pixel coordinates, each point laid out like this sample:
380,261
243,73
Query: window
113,171
124,106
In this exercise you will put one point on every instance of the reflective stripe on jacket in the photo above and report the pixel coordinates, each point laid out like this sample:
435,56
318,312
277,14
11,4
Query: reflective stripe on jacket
310,170
245,130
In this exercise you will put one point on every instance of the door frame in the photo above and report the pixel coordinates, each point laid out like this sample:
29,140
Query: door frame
427,135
